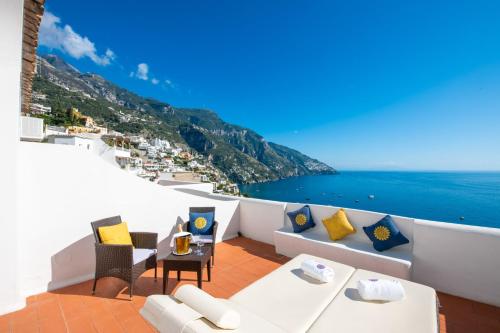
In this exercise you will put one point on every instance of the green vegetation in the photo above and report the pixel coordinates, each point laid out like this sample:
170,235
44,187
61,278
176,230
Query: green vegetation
240,153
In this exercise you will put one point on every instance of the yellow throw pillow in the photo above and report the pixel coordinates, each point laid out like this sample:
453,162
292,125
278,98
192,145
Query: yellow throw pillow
116,234
338,225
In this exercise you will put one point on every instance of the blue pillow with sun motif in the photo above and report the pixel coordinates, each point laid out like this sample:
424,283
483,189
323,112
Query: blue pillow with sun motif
385,234
301,219
201,223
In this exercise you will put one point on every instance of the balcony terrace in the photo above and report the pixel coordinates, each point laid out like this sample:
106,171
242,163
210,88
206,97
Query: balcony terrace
240,262
50,194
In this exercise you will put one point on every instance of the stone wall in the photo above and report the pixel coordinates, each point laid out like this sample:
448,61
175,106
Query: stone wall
33,12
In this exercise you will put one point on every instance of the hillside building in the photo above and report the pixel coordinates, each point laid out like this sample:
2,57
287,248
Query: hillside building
32,129
55,130
159,143
39,109
72,140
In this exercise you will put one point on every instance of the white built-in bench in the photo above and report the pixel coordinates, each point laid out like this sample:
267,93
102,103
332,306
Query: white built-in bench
355,250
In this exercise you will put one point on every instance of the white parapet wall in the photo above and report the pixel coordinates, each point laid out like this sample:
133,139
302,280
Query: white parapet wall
64,189
175,184
260,218
461,260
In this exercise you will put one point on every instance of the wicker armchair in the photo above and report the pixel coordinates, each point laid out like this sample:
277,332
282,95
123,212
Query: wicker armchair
124,261
185,226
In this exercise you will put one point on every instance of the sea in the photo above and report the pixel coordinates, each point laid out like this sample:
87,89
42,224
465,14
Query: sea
458,197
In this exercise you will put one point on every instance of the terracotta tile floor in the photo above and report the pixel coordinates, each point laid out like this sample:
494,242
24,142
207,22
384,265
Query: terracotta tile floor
239,262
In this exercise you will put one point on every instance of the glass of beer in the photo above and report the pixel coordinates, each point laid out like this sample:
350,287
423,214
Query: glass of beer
182,244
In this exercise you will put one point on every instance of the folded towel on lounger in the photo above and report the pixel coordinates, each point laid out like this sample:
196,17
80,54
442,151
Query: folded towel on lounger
317,270
381,290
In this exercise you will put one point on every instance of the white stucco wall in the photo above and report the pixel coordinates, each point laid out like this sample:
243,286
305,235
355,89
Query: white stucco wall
461,260
75,141
260,218
174,184
31,129
11,15
56,246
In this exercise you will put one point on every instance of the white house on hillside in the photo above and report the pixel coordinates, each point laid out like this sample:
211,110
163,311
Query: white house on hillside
36,108
143,146
31,129
55,130
71,140
159,143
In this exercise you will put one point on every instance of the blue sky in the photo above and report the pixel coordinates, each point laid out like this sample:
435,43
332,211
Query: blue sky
387,85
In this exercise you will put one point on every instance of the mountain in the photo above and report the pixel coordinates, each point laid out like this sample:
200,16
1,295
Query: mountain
242,154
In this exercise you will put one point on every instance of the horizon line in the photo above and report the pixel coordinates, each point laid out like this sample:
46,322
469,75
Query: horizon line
420,170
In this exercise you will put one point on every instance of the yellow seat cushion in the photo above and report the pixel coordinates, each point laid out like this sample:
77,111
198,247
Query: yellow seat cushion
116,234
338,225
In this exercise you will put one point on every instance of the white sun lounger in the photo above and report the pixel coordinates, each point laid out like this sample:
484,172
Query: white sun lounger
286,300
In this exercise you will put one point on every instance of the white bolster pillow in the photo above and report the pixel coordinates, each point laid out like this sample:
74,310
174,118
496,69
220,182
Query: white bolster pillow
381,290
211,308
167,315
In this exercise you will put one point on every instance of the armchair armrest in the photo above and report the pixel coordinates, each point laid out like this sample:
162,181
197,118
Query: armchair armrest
214,233
114,256
145,240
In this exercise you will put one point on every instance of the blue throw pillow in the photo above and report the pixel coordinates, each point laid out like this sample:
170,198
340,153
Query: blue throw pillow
301,219
385,235
201,223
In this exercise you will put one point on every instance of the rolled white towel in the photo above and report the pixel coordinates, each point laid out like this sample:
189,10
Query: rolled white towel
381,290
317,270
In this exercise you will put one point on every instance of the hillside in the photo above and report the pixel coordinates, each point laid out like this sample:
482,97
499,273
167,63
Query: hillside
242,154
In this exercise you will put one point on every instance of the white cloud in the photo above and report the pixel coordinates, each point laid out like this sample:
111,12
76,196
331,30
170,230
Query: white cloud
55,36
110,54
169,83
142,71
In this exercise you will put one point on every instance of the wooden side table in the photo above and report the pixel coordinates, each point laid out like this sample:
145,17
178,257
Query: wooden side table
188,263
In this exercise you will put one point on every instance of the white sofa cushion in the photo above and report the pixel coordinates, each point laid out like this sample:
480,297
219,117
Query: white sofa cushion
288,298
396,261
416,313
142,254
206,239
249,322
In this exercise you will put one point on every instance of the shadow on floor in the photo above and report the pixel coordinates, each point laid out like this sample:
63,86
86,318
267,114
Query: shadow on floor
258,249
